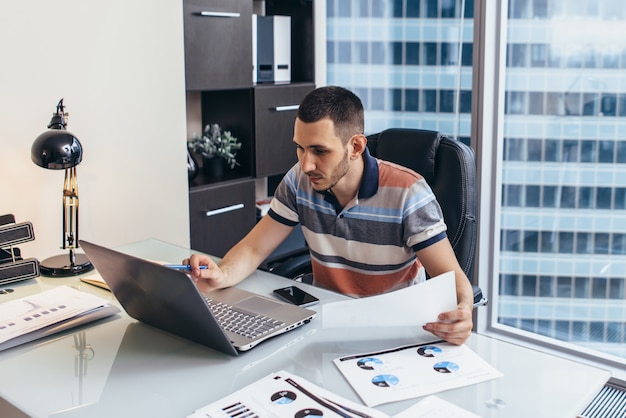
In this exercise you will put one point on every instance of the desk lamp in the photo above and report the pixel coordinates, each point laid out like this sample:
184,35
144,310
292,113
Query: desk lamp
58,149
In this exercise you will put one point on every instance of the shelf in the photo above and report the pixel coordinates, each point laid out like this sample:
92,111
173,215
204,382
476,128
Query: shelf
219,89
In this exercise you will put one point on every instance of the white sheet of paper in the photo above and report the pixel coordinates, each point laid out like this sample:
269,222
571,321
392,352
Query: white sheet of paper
435,407
412,306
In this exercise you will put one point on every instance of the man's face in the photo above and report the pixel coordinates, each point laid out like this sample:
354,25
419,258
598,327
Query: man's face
321,154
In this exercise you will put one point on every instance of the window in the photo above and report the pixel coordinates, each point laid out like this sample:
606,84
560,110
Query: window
531,241
533,149
429,101
549,196
446,101
548,242
560,237
513,195
585,198
552,150
566,242
620,198
430,53
533,196
412,53
588,153
583,243
411,100
603,199
570,151
568,197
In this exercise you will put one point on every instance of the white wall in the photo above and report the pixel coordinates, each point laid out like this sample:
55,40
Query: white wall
119,65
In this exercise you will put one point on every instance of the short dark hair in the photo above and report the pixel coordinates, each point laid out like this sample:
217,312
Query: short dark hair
338,104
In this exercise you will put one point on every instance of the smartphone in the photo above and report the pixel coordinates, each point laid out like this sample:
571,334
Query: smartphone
295,295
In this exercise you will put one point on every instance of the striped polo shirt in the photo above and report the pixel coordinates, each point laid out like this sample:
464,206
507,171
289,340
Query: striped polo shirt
367,247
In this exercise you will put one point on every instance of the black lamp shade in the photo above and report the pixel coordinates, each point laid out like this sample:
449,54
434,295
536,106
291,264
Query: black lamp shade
56,149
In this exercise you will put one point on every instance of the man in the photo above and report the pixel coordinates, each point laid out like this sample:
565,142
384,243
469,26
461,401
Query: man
370,225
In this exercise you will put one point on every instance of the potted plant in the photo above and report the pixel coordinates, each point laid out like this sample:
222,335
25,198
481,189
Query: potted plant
216,147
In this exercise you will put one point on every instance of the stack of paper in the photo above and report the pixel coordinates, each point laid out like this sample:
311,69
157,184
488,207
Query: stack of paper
32,317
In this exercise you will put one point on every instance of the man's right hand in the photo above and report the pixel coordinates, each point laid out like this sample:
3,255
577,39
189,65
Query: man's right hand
207,279
241,260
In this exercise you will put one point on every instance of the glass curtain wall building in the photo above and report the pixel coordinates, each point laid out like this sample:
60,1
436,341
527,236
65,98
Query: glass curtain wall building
562,256
563,237
409,61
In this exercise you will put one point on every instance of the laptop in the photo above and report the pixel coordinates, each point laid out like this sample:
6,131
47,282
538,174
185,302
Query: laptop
169,300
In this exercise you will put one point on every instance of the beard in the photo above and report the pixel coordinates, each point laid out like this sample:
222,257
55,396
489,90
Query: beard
338,173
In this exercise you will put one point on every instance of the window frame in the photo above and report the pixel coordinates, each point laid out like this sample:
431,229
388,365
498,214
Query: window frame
488,101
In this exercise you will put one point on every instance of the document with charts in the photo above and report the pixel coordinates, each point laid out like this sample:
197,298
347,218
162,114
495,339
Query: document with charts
282,394
412,371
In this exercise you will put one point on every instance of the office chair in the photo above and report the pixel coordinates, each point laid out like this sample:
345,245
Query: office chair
449,168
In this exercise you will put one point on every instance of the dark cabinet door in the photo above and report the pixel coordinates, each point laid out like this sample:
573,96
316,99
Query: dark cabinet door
218,44
220,215
275,109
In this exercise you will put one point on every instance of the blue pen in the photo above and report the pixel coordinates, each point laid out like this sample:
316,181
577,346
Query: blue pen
183,266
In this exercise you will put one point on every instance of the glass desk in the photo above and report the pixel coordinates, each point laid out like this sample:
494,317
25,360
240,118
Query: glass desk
120,367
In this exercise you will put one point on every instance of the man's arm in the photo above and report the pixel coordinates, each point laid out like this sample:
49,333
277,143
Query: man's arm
454,326
241,260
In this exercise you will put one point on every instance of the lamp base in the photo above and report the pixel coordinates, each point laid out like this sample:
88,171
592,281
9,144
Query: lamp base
59,266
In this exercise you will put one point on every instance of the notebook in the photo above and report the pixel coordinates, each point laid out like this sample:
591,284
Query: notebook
169,300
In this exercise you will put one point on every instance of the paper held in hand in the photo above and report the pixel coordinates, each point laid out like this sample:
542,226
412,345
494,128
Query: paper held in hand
411,306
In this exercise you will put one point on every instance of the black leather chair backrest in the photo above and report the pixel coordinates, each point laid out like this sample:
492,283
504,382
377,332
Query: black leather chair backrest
449,168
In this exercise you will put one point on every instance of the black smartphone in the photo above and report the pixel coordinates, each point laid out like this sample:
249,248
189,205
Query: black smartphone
295,295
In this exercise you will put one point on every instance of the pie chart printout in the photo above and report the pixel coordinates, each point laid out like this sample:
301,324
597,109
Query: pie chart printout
385,380
309,413
283,397
429,351
446,367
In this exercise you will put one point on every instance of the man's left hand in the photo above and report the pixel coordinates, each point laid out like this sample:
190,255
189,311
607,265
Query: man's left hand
454,326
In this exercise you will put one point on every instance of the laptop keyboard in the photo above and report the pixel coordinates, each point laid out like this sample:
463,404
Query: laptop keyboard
241,322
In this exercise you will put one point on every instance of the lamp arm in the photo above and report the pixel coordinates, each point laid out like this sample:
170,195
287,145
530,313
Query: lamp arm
70,212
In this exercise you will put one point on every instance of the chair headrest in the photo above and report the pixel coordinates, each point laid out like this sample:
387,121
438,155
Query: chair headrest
412,148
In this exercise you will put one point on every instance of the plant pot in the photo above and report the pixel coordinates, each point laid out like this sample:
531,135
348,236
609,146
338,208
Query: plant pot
213,167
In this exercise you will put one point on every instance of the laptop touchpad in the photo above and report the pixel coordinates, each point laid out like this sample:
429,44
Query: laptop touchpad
257,304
